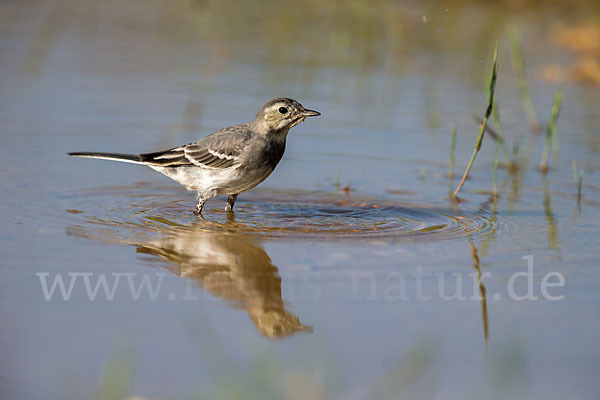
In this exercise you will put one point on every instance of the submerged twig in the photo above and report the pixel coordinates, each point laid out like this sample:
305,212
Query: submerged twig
551,130
483,124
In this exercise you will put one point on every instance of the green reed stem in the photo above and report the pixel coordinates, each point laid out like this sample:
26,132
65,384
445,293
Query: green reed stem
517,145
488,112
578,178
551,130
498,128
452,152
495,176
518,64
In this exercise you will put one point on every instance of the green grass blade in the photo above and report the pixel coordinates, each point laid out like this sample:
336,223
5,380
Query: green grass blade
518,64
551,130
488,112
452,158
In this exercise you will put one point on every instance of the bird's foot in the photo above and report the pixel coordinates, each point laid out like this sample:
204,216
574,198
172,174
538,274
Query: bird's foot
230,202
199,207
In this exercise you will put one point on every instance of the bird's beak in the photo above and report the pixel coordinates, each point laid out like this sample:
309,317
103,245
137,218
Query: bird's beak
305,328
310,113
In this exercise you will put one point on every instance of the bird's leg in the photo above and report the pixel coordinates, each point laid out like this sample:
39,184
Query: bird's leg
199,206
230,202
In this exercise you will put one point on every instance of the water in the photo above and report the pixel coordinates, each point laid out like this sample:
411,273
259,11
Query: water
332,278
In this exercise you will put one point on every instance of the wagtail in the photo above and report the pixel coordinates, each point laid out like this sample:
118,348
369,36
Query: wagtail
229,161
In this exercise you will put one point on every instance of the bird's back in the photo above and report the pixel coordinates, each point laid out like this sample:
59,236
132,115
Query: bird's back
228,161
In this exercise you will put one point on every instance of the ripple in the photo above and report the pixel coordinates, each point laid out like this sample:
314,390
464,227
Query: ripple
285,215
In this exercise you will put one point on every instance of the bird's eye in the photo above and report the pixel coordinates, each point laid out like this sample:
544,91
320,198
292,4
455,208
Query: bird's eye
283,110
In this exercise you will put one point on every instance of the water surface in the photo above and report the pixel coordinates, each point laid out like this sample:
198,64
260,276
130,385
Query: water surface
325,283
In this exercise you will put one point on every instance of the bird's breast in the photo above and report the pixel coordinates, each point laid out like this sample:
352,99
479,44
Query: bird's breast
272,153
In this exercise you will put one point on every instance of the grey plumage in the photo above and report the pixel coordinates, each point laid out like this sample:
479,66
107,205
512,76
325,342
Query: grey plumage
229,161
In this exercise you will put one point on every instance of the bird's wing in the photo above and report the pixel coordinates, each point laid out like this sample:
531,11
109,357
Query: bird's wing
219,150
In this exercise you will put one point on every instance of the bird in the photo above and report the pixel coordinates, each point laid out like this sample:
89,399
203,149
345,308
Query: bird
234,268
229,161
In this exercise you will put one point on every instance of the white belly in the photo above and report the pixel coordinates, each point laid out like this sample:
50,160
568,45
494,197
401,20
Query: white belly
209,182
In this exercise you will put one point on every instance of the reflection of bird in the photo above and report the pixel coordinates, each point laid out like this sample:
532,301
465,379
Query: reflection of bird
233,268
229,161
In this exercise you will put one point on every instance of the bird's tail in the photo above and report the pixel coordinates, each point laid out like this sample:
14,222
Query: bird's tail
129,158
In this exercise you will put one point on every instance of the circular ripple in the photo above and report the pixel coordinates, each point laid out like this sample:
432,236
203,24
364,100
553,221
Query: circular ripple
303,216
284,214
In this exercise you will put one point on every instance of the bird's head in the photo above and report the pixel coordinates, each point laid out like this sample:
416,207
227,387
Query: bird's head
281,114
277,324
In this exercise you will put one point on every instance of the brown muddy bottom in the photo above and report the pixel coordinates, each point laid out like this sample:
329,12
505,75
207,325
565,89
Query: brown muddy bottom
269,213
